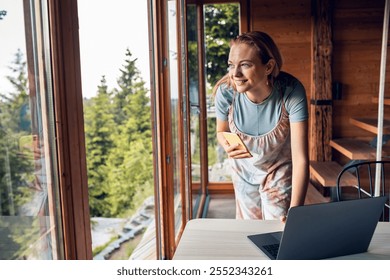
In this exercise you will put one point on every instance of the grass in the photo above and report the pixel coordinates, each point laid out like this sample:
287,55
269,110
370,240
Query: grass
127,248
100,248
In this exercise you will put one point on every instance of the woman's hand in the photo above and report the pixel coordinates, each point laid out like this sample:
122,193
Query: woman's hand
234,151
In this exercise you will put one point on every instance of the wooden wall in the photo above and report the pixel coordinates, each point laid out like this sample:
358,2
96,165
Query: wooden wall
289,24
357,40
357,37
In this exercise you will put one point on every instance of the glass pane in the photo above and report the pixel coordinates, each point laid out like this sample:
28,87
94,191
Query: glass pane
30,225
114,53
175,107
193,78
221,23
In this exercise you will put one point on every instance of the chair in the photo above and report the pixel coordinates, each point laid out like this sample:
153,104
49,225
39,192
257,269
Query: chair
364,187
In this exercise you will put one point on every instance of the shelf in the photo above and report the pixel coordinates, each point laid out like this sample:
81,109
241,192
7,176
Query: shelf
353,148
326,173
370,124
386,100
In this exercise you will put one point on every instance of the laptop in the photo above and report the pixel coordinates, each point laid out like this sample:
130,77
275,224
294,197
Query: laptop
325,230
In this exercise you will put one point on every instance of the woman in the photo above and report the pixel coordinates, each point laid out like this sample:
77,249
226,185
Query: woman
267,108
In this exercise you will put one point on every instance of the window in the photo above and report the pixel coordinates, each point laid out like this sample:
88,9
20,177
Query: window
117,123
169,95
44,156
43,189
210,26
221,24
30,212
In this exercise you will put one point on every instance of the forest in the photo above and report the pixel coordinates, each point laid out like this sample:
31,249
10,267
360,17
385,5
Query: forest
117,125
118,143
118,135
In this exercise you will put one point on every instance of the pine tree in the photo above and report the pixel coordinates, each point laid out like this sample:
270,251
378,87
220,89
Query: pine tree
129,83
16,166
100,131
16,104
130,162
221,25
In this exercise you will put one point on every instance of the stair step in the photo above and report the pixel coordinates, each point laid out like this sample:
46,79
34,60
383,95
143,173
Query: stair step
353,148
313,196
326,172
371,124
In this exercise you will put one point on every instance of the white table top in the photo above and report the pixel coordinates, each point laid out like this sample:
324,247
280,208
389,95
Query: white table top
226,239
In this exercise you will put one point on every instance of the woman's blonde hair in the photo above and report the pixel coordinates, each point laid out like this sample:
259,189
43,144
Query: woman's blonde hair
266,50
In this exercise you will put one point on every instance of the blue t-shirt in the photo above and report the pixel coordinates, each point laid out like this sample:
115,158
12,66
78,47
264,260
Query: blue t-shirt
259,118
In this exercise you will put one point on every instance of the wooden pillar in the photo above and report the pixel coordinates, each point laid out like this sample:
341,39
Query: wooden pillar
321,90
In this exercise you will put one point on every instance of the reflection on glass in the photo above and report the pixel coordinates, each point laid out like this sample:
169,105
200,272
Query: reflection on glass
221,23
30,225
174,93
193,78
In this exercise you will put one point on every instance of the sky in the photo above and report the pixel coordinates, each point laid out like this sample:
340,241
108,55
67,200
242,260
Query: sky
107,29
11,37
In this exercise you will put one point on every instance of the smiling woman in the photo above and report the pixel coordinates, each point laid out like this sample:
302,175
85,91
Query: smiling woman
268,110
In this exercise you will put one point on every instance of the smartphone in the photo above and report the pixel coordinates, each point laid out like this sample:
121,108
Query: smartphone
233,139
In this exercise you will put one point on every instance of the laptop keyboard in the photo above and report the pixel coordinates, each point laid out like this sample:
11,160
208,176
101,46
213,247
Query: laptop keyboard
272,249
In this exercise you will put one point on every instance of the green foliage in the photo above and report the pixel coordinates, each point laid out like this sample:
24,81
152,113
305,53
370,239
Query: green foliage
119,144
100,129
15,111
16,168
130,83
192,45
221,25
100,248
131,176
117,125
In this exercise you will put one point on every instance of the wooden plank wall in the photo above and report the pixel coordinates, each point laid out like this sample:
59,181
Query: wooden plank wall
357,37
289,24
357,40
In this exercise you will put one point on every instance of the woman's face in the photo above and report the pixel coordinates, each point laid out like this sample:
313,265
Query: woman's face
246,70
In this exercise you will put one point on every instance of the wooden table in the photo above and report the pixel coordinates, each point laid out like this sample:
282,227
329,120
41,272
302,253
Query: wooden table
226,239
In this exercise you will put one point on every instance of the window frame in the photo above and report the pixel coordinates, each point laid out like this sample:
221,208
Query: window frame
167,240
208,187
69,120
69,127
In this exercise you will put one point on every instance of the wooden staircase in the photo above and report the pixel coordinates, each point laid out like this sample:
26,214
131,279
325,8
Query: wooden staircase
324,174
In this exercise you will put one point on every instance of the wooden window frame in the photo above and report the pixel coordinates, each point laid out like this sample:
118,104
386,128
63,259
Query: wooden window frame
166,237
70,138
69,126
208,187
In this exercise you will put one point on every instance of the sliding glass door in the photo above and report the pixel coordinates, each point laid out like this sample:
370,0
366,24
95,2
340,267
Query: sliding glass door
30,219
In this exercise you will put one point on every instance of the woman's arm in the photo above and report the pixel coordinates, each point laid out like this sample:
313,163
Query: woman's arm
300,162
222,126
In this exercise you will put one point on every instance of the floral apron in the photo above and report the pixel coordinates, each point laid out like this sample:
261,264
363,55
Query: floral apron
262,183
